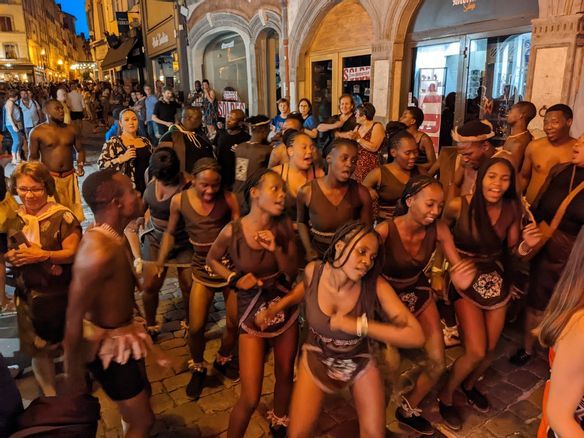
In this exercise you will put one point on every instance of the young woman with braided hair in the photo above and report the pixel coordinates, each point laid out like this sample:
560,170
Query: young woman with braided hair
201,212
409,240
262,247
342,295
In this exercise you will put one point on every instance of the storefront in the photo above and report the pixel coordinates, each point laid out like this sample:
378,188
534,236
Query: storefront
469,58
339,59
161,47
125,63
22,72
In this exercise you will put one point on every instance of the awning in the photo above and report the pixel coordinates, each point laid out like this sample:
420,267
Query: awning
119,56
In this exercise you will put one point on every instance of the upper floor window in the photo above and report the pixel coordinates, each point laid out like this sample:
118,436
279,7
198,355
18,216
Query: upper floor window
6,24
10,51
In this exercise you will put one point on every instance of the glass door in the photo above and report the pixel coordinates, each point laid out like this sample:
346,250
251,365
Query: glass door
496,78
322,88
357,78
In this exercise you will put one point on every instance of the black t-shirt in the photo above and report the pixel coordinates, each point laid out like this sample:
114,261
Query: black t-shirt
226,156
556,192
193,152
166,111
249,157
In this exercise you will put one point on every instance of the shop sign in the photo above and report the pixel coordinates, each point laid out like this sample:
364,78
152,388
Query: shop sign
231,95
468,5
123,22
357,73
225,107
159,39
228,45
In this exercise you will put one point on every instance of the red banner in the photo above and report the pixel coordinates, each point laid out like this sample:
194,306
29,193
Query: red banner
351,74
225,107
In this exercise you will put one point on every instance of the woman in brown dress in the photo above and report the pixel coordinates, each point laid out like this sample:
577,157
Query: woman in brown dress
370,137
262,247
203,210
386,182
42,244
342,296
326,203
410,238
413,117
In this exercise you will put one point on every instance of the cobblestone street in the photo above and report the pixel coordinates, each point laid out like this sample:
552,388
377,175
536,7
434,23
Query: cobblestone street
515,394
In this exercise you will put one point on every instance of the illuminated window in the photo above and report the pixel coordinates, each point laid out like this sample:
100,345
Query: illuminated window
10,51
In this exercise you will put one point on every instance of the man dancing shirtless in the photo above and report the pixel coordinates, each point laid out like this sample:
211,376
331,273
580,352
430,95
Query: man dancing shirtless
516,142
52,143
544,153
100,315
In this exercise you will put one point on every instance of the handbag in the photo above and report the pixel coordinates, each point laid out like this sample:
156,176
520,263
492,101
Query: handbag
547,230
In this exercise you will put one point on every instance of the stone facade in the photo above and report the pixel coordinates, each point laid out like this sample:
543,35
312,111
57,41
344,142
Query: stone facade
556,54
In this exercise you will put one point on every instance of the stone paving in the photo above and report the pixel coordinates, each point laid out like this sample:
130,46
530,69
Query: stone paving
515,394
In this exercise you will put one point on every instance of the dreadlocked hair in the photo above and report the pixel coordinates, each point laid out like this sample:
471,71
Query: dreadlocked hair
414,186
345,233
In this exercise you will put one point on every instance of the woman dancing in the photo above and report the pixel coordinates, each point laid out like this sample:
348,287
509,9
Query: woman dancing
341,295
330,201
262,249
485,226
204,209
410,239
386,182
167,181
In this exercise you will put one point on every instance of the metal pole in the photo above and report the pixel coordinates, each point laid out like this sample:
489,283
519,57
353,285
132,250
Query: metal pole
181,48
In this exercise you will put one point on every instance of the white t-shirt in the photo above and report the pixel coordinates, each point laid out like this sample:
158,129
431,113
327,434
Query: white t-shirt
75,101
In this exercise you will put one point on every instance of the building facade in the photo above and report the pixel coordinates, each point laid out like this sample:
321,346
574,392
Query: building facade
53,44
484,55
15,64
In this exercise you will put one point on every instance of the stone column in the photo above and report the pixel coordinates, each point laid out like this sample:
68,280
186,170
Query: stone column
555,64
382,73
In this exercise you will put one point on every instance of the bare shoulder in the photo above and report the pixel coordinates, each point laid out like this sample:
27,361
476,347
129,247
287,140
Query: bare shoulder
95,250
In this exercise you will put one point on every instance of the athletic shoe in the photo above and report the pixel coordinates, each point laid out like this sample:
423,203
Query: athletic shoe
476,399
229,369
450,416
413,419
451,336
520,358
196,384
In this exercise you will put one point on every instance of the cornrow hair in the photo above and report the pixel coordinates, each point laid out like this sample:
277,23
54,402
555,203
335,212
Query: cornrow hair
289,136
252,181
206,163
414,186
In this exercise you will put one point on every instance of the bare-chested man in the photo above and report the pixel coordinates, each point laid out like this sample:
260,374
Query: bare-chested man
53,143
519,137
544,153
101,304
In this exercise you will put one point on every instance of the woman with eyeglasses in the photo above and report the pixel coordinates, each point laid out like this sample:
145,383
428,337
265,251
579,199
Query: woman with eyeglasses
42,243
128,153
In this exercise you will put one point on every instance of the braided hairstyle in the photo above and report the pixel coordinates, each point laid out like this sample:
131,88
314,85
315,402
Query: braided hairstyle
345,233
414,186
206,163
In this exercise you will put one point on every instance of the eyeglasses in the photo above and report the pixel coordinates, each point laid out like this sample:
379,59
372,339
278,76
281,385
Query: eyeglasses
36,191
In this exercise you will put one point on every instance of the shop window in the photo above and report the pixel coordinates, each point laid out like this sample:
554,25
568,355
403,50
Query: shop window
6,24
357,78
225,65
10,51
322,85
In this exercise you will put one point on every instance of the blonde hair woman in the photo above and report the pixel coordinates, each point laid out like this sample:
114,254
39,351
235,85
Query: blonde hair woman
562,330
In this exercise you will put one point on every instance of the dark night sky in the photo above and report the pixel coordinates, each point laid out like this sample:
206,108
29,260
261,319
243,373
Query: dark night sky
77,8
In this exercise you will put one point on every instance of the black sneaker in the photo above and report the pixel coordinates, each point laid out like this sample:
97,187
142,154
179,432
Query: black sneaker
229,369
196,384
412,418
520,358
450,416
476,399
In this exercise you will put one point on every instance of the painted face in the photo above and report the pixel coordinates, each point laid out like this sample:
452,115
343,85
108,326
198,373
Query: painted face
346,105
342,161
578,152
129,122
555,125
496,182
207,185
270,194
304,108
361,258
301,152
472,153
406,153
32,193
130,201
283,107
426,205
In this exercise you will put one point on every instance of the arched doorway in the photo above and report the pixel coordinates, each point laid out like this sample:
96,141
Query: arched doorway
338,58
225,65
474,53
268,71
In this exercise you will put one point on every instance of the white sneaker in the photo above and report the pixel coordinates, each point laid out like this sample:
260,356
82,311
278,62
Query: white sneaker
451,336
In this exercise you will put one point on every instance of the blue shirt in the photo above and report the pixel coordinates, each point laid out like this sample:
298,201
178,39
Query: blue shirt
150,103
277,122
309,123
113,130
